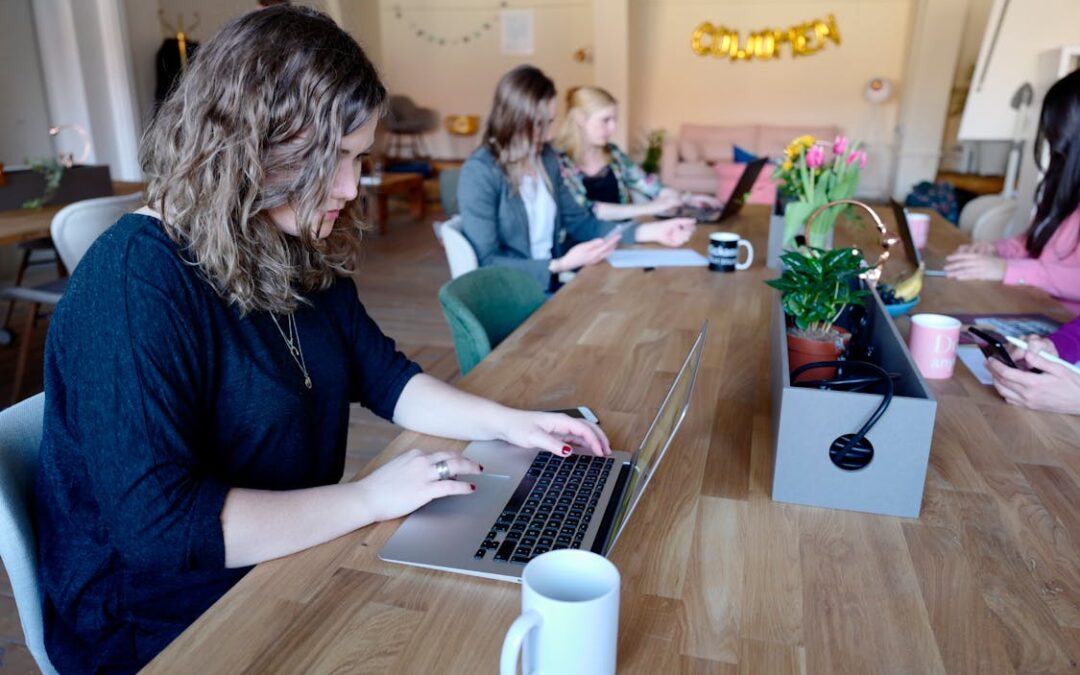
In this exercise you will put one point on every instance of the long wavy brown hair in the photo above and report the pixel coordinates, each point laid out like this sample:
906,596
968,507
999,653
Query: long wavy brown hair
519,122
256,123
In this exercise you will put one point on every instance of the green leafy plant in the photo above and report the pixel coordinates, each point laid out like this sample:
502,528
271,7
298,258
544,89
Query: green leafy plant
816,285
653,152
53,172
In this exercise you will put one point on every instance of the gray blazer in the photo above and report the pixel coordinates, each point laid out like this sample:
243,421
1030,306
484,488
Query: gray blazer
495,222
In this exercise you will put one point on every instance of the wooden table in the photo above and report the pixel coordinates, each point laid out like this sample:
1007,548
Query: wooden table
378,196
25,224
716,577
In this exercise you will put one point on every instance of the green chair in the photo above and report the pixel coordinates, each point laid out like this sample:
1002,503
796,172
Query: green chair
484,306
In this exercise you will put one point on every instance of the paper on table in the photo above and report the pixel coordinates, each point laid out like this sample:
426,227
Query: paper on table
975,361
651,257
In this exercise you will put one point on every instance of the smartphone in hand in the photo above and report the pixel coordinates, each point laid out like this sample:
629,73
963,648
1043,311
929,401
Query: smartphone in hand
991,347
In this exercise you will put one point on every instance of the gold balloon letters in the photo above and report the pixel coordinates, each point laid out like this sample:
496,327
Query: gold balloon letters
804,38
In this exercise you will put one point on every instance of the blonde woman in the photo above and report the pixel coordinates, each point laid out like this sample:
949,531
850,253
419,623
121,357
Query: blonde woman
598,174
200,367
515,209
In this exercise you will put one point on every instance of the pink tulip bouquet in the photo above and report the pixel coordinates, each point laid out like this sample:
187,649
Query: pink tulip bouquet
811,176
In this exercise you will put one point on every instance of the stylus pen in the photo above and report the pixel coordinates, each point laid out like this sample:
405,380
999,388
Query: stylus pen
1043,354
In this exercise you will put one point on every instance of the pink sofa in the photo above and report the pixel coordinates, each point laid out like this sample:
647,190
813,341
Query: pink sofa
701,158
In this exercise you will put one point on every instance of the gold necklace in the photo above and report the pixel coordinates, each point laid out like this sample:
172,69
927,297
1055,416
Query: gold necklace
292,341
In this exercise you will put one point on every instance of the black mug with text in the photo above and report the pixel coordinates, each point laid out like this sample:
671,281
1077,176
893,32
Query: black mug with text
724,252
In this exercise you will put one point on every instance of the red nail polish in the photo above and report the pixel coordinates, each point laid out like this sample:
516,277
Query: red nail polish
566,450
472,487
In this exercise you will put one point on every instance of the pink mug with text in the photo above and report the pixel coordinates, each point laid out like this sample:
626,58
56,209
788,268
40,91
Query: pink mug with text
933,341
919,224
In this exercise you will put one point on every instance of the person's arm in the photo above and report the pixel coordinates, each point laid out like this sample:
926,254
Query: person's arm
478,199
433,407
261,525
1012,247
609,211
1059,278
1067,341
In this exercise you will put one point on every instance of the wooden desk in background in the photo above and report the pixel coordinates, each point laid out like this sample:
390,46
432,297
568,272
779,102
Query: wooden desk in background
378,196
25,224
716,577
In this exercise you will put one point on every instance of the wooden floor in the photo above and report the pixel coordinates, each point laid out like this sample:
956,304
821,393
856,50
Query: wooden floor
401,274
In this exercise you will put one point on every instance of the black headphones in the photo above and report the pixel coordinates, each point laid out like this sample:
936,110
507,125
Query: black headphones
851,451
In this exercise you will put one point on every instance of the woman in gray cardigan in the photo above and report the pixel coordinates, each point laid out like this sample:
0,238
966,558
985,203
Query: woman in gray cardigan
515,208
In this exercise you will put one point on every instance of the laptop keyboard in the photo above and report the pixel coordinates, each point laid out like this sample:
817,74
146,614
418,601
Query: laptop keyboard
550,509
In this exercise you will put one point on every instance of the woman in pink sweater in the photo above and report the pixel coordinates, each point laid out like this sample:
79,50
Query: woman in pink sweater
1048,254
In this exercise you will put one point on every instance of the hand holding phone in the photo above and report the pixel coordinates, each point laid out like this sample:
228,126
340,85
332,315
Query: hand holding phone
991,347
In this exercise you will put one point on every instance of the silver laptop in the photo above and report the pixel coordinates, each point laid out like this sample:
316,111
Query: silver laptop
528,502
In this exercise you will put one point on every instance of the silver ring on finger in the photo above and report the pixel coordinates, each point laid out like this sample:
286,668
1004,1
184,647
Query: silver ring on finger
443,468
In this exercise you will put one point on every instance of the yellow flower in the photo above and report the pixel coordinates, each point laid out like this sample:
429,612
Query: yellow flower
806,141
787,165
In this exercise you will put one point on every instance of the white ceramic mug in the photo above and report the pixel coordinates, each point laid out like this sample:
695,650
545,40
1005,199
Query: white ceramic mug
569,621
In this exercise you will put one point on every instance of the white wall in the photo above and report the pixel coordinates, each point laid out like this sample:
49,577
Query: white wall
935,47
24,115
1030,28
672,85
460,79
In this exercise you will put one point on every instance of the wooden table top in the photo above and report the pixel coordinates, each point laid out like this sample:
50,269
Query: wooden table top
25,224
716,577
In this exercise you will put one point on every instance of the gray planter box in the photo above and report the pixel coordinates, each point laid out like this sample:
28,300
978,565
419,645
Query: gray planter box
807,421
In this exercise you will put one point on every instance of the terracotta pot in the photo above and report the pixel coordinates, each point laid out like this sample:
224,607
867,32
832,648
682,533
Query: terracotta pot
803,350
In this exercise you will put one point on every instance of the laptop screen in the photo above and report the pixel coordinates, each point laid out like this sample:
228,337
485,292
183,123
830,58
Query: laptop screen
647,457
914,255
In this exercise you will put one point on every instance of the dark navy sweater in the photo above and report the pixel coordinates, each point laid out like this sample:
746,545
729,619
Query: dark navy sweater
159,398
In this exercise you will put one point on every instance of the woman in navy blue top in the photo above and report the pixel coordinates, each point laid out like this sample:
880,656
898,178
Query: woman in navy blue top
200,367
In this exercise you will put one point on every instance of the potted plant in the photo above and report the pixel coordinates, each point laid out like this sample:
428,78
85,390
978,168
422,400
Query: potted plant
651,164
815,287
810,177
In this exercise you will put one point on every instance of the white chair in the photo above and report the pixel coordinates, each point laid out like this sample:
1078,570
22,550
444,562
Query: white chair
976,207
74,228
20,436
992,224
459,252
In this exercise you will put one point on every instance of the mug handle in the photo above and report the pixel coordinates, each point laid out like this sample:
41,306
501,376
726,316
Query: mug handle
749,255
515,637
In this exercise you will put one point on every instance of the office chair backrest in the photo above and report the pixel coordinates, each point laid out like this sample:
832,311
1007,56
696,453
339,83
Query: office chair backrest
20,436
484,306
459,252
75,227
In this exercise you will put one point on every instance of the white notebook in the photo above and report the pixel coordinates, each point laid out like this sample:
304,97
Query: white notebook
654,257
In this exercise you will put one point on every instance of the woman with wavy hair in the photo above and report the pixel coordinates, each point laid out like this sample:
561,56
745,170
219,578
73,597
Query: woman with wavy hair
516,210
1047,255
200,367
600,176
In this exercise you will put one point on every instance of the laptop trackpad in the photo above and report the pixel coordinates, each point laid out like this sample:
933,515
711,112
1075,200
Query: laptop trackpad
488,488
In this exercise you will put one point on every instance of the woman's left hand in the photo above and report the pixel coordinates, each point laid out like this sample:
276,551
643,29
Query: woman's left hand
1056,389
554,432
670,232
702,201
975,266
